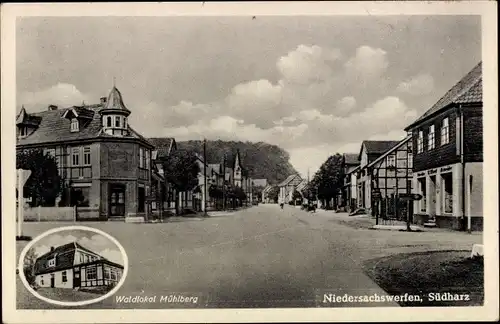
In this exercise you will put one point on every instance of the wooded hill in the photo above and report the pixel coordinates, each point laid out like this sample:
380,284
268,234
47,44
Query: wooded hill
261,160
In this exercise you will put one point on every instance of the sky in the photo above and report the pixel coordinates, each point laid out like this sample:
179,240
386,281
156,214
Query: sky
315,86
90,240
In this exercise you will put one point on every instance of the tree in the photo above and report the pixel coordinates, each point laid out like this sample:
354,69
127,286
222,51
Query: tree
44,185
328,179
28,266
273,194
181,169
296,196
239,193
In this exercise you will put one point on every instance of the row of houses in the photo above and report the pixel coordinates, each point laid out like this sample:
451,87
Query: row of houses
109,170
440,159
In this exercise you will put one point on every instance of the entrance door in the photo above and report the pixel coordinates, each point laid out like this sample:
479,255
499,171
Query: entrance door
52,280
76,278
117,201
432,197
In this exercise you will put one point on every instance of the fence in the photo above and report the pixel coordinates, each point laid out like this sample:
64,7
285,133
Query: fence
47,214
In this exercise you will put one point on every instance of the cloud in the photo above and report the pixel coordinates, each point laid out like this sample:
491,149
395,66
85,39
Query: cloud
61,94
367,64
96,243
308,64
418,85
54,240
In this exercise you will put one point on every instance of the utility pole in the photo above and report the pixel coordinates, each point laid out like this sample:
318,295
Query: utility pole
224,182
205,177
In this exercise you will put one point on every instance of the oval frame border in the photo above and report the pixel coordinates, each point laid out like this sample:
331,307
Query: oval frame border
79,303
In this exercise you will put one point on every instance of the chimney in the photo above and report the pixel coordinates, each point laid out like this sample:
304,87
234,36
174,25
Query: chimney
51,249
52,107
103,100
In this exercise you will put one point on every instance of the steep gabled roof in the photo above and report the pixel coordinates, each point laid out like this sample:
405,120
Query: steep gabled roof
260,182
52,127
466,91
401,143
164,146
289,179
351,159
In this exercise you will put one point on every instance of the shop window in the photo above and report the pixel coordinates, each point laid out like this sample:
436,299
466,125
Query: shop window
447,192
423,192
80,196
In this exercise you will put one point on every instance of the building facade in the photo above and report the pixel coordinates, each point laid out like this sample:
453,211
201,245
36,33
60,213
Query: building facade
369,152
448,161
287,188
73,266
105,165
391,176
347,198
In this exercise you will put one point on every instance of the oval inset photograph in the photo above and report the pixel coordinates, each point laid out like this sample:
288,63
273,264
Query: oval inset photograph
73,266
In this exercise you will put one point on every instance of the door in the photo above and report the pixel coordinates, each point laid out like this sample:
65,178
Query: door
76,278
52,280
117,201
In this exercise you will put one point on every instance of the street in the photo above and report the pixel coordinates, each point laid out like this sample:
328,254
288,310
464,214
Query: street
259,257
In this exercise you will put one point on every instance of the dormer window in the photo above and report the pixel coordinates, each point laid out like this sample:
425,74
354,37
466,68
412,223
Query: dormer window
52,262
23,131
74,125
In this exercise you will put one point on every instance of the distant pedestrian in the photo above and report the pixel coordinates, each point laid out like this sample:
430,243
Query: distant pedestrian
281,205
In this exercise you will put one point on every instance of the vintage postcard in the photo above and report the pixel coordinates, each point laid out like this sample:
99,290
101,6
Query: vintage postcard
249,162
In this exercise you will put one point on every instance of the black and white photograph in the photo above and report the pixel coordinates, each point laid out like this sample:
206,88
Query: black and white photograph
71,266
250,160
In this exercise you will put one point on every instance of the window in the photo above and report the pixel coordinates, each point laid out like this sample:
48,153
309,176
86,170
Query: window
80,196
124,122
420,142
114,274
74,125
75,156
107,273
117,121
410,160
41,281
141,157
81,258
147,159
64,277
50,152
431,138
23,131
423,192
86,155
91,273
52,262
391,161
445,132
447,192
108,122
